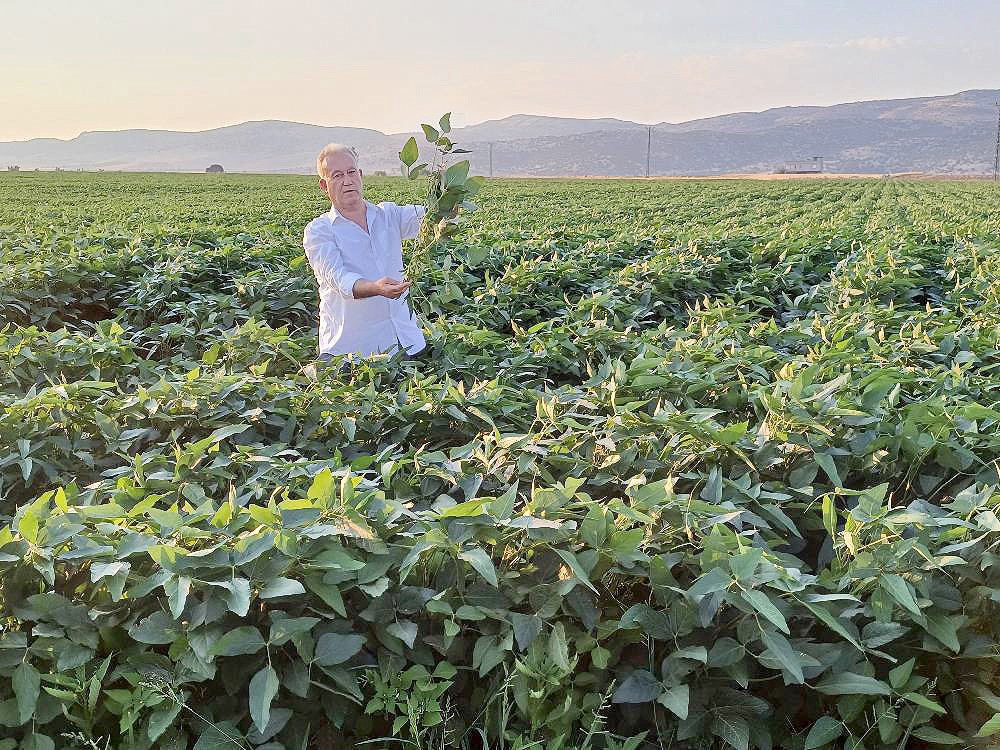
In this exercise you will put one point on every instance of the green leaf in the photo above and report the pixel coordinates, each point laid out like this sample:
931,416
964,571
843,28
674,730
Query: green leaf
456,174
830,515
991,727
238,598
478,559
223,735
833,623
828,465
336,648
410,152
96,680
936,736
558,648
406,631
279,587
898,676
239,641
284,629
430,133
263,688
27,685
9,714
526,628
725,652
161,719
825,730
762,603
899,590
639,687
923,700
177,589
850,683
782,650
744,564
578,572
733,729
676,700
35,741
473,185
444,124
714,580
944,629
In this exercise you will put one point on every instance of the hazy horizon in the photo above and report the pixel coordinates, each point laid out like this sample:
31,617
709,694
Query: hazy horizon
478,122
187,66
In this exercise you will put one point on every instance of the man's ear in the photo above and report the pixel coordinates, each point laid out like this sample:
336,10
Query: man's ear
322,184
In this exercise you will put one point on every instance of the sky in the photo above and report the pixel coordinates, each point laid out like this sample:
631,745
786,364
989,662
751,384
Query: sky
69,67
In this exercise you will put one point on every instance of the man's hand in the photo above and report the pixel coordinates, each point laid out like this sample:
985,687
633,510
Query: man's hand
384,287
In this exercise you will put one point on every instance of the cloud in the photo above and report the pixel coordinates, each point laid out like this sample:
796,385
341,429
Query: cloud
876,43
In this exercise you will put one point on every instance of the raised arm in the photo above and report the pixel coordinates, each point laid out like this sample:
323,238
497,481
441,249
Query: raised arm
409,218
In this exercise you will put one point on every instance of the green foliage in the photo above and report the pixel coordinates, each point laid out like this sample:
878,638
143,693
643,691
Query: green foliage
449,190
706,464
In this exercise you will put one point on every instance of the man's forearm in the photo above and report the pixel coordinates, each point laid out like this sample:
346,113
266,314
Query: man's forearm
363,288
384,287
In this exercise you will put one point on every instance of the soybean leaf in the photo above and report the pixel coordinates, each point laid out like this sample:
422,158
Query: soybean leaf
478,559
245,639
263,688
782,650
899,590
280,587
991,727
336,648
578,572
762,603
676,700
826,729
850,683
27,685
639,687
732,729
410,152
714,580
161,719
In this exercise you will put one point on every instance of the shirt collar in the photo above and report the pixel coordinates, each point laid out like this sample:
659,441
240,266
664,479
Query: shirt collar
335,214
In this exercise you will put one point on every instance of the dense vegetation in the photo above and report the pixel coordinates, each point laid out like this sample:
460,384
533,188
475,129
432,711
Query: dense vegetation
703,464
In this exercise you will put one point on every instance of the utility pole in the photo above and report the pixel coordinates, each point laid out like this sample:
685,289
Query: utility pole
996,158
491,160
649,143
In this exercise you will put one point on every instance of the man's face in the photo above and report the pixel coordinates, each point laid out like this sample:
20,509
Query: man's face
343,184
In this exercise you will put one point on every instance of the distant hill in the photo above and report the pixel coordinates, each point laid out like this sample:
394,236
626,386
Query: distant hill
952,134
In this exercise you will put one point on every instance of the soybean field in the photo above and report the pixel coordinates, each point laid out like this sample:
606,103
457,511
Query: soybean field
688,464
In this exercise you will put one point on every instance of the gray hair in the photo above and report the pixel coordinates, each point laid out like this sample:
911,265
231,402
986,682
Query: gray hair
329,150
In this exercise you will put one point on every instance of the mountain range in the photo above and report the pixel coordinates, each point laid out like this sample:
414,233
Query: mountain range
953,134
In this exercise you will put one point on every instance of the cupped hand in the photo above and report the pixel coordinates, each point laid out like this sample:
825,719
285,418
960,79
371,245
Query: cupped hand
392,288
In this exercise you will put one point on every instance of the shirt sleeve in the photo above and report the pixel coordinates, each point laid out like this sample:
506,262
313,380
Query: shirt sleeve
410,218
327,262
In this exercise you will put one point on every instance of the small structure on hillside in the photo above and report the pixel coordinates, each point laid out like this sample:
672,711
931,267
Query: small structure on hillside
216,168
813,165
13,168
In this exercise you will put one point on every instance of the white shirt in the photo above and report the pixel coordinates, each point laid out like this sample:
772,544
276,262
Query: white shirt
340,252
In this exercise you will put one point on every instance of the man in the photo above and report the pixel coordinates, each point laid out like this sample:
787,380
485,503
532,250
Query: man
355,252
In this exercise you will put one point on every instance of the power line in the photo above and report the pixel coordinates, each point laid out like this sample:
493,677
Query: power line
649,142
996,158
